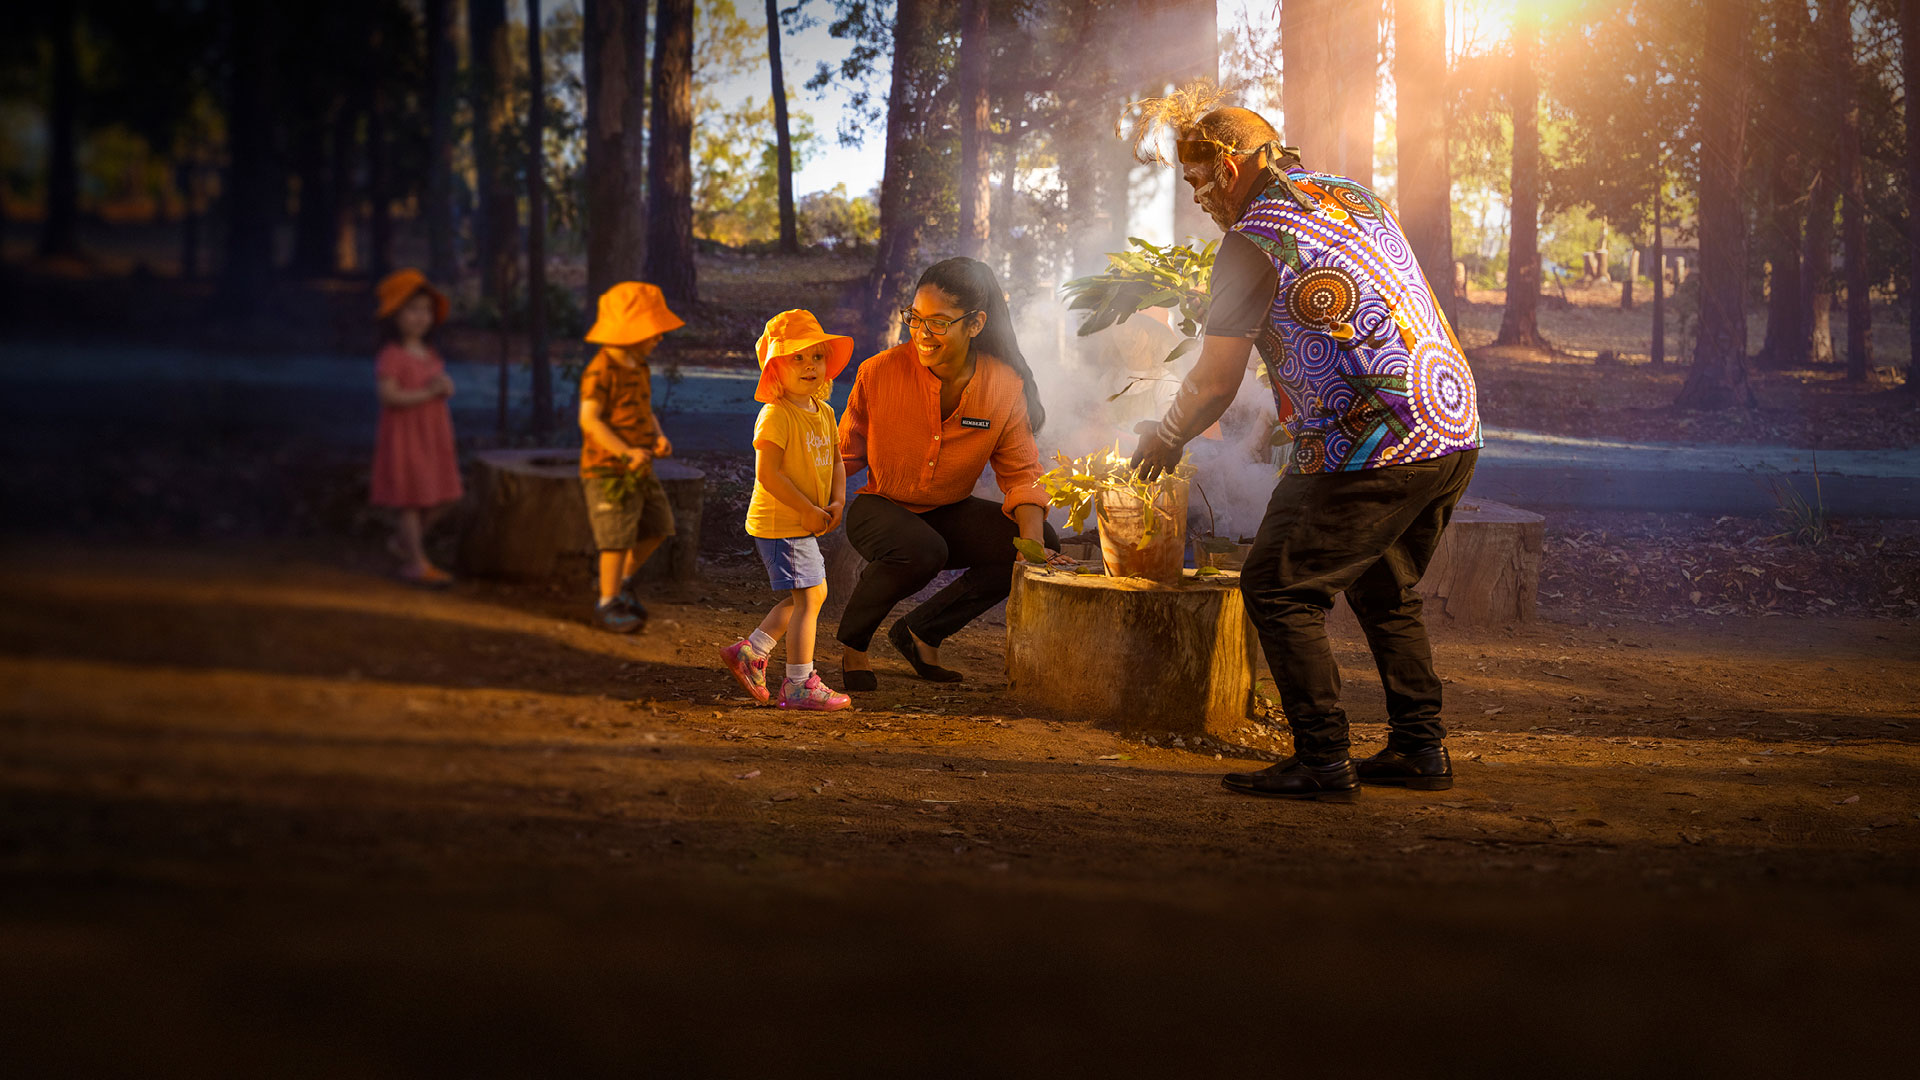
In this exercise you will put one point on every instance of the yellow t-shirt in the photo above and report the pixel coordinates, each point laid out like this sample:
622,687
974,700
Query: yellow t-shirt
809,445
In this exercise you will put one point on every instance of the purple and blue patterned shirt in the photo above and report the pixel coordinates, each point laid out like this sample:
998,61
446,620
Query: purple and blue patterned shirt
1364,366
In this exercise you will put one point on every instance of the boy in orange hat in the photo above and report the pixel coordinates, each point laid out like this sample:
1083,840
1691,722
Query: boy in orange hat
620,438
416,471
799,494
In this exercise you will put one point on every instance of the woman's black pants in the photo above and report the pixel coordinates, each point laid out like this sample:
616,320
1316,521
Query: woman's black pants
904,551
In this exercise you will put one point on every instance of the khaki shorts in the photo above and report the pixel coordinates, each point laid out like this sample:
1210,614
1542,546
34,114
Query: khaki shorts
618,523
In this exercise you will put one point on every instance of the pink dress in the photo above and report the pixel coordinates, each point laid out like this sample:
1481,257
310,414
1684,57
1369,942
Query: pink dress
414,463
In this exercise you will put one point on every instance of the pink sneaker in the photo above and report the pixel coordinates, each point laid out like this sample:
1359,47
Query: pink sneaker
749,667
811,694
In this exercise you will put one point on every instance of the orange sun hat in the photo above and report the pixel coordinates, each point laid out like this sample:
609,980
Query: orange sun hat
630,313
792,332
400,286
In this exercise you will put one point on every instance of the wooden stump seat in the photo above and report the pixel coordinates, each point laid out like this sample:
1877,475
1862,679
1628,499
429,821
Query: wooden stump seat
1486,571
530,513
1176,657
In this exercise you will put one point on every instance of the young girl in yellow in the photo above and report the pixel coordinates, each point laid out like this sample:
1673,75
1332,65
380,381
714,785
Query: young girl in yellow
799,494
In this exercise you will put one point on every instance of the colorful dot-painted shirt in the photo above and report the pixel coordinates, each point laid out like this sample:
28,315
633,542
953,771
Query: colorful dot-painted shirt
1365,370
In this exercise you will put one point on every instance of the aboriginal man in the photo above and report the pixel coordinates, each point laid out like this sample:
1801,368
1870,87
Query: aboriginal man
1376,394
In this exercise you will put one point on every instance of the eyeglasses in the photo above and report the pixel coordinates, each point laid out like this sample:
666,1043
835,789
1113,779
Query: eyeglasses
938,325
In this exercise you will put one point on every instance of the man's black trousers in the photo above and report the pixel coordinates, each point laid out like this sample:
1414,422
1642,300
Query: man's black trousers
1370,534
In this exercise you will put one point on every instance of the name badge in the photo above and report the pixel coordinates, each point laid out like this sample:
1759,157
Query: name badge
975,422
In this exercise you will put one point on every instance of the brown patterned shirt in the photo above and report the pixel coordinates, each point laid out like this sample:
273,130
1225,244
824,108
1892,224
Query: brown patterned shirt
625,395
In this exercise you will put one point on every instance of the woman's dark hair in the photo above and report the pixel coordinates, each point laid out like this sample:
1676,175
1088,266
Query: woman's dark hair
972,285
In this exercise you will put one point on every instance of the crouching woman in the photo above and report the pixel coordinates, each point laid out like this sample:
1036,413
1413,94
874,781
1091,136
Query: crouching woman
925,419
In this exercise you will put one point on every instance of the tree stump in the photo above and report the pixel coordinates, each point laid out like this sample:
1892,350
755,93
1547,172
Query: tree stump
531,514
1486,571
1128,652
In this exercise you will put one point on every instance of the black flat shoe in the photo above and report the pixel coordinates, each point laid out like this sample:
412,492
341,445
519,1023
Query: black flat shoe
854,682
1423,770
903,643
1293,779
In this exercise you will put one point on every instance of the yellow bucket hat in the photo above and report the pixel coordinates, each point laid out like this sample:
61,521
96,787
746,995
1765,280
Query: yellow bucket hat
792,332
400,286
630,313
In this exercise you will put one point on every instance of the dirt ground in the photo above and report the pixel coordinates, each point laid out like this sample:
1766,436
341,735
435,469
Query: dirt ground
264,812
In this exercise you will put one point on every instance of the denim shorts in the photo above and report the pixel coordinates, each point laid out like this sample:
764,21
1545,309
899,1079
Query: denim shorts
792,564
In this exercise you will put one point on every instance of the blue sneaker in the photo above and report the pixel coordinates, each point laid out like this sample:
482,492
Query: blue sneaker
618,616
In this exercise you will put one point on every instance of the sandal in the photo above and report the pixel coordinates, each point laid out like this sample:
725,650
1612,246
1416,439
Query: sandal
904,642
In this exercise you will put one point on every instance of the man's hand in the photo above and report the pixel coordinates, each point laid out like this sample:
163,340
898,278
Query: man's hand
1155,455
638,457
662,446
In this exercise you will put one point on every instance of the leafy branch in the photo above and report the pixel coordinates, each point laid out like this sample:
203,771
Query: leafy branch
1077,483
1147,276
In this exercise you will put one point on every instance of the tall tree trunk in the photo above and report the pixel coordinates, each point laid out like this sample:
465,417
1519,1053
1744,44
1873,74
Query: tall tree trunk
789,230
1910,78
1357,88
1308,31
1816,271
1426,183
900,228
61,234
379,180
1657,354
317,220
1784,100
1632,266
1188,219
1853,204
343,200
1823,148
497,224
1718,377
1001,212
537,226
252,190
975,163
443,263
1520,322
670,154
616,76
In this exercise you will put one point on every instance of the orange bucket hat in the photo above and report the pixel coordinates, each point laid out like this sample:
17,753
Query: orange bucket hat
400,286
792,332
630,313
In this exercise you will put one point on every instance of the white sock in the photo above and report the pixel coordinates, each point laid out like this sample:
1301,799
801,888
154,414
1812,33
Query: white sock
799,672
761,641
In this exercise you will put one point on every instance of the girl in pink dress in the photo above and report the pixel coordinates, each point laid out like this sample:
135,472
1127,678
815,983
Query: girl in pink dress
416,472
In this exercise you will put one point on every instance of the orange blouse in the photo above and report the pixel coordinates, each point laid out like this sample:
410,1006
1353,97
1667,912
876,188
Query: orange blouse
915,457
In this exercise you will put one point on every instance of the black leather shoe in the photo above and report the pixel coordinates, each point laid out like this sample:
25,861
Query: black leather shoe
857,682
1293,779
903,642
1424,770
